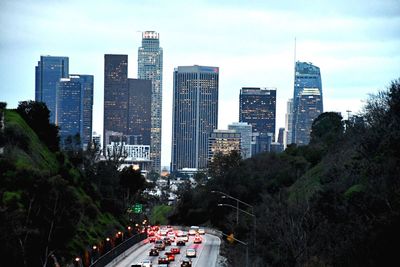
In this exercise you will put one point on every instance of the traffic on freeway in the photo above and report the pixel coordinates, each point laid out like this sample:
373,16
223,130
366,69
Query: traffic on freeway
169,246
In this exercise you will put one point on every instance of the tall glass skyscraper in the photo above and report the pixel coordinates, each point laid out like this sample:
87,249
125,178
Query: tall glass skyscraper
150,67
307,101
258,108
195,115
48,73
116,97
74,105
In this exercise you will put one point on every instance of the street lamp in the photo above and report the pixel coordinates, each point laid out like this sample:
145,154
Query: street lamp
248,213
225,195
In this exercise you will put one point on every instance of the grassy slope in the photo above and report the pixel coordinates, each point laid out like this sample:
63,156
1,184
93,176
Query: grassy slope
37,157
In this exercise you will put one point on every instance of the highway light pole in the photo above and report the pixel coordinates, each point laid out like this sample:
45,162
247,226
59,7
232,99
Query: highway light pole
225,195
248,213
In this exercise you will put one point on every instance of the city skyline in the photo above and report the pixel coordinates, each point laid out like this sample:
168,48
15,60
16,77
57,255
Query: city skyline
355,44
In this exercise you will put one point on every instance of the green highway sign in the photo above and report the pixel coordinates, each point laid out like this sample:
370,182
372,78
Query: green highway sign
137,208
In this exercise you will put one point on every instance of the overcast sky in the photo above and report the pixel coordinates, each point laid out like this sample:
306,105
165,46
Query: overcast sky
355,43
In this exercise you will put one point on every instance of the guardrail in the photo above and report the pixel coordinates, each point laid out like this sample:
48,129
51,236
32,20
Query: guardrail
118,250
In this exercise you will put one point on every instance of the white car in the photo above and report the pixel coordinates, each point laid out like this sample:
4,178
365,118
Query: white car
190,252
146,263
201,231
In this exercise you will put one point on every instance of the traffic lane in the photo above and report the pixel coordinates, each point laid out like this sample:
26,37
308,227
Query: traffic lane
209,252
137,255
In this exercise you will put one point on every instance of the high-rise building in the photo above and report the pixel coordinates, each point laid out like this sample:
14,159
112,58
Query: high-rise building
116,98
74,107
258,108
307,101
281,135
288,122
245,132
48,73
309,108
224,142
150,67
139,113
195,115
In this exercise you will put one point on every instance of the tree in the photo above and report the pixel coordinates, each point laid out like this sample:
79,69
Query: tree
37,115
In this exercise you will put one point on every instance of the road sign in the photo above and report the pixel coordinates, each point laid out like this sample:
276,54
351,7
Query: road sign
137,208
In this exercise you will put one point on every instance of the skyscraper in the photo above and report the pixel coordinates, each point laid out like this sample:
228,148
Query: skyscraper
309,108
307,101
288,123
116,97
150,67
74,105
139,113
48,73
258,108
195,115
245,134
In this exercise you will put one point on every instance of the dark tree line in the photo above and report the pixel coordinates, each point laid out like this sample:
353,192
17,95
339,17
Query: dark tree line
54,203
334,202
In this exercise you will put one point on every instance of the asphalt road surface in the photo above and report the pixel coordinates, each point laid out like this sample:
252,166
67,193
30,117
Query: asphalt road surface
207,253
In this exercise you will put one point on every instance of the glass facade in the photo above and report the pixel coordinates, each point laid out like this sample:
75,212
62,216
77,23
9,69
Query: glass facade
116,96
307,101
48,73
258,108
74,105
195,115
150,67
245,131
69,108
139,113
224,142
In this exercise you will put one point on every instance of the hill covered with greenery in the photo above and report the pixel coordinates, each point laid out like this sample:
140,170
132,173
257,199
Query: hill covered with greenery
334,202
51,209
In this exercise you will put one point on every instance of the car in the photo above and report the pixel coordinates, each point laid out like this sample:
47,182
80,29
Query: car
153,252
170,255
186,263
197,239
193,230
159,244
152,239
191,252
163,260
175,250
201,231
146,263
167,241
180,243
162,265
171,235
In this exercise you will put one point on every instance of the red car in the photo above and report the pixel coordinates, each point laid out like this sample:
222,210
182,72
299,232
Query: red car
175,250
197,240
152,239
170,255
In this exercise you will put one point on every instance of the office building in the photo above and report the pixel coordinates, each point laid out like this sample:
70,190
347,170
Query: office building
150,67
281,134
258,108
74,106
223,142
245,134
288,122
195,115
139,113
307,101
48,72
116,97
309,108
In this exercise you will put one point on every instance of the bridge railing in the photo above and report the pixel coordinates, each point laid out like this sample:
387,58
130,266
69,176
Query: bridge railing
118,250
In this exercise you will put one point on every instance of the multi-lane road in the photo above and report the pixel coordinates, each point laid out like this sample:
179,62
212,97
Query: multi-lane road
207,253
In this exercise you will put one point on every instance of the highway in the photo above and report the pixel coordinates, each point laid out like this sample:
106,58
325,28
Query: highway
207,253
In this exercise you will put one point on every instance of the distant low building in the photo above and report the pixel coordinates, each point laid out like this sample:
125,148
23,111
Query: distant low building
137,156
224,142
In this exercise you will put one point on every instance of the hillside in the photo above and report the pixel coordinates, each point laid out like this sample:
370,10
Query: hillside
45,209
